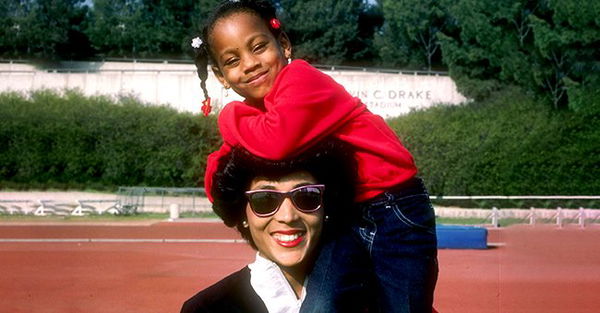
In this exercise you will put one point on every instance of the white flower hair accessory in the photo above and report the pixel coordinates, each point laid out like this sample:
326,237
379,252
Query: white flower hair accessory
196,43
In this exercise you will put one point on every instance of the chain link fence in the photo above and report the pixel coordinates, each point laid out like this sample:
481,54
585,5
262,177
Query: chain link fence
159,199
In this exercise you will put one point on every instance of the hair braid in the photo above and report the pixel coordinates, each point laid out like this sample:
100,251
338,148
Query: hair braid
201,62
201,59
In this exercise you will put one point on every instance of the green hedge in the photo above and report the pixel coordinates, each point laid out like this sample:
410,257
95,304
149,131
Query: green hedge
67,140
507,145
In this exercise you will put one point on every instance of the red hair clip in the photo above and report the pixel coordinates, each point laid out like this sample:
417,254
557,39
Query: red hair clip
206,107
275,23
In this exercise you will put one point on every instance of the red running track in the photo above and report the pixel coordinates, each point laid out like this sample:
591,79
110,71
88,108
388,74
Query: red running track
154,268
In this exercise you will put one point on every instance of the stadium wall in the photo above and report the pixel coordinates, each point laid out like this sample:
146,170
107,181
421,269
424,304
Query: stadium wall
388,94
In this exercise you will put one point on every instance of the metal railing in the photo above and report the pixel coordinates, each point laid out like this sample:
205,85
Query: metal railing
46,207
491,211
496,211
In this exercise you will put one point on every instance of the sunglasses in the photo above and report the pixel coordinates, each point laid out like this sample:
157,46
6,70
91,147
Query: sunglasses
307,199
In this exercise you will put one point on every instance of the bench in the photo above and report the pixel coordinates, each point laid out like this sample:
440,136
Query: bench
16,206
97,206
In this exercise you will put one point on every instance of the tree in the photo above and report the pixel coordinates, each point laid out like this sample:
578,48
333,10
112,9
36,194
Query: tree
409,35
198,16
116,27
174,22
143,28
41,28
482,46
323,30
546,47
566,41
202,11
12,20
362,50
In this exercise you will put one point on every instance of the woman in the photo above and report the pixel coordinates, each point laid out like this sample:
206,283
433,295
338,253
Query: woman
283,209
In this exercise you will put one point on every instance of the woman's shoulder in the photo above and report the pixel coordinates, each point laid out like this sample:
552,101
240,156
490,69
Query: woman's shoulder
231,294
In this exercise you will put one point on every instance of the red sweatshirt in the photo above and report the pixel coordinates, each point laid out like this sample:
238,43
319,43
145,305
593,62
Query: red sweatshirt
304,106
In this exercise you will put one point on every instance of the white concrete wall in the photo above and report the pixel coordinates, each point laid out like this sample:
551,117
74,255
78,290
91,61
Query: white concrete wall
178,86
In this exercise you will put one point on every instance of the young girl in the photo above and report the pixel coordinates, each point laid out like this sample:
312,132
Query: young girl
289,106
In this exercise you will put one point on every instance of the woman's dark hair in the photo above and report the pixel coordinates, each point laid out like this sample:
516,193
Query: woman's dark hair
202,55
331,162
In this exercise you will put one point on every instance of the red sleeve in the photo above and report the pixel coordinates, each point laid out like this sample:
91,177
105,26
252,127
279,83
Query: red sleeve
303,106
212,164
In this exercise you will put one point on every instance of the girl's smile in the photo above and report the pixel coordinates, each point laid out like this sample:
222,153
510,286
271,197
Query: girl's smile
258,79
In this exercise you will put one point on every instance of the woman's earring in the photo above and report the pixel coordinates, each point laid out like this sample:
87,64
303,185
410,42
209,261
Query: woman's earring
226,92
245,224
289,60
326,218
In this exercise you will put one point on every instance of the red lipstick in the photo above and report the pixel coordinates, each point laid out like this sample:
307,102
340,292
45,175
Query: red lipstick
288,238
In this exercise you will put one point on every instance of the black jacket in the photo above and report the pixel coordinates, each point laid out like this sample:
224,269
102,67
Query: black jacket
233,294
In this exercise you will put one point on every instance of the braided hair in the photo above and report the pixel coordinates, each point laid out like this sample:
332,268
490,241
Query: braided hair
201,47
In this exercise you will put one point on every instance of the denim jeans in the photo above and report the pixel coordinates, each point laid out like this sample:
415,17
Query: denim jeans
388,255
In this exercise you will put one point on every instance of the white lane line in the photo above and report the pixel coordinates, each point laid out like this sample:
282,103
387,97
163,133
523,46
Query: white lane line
44,240
116,240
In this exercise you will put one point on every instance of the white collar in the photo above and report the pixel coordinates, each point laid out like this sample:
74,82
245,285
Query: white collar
268,282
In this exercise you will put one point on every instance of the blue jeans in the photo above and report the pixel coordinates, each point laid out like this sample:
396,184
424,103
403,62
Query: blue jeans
388,254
